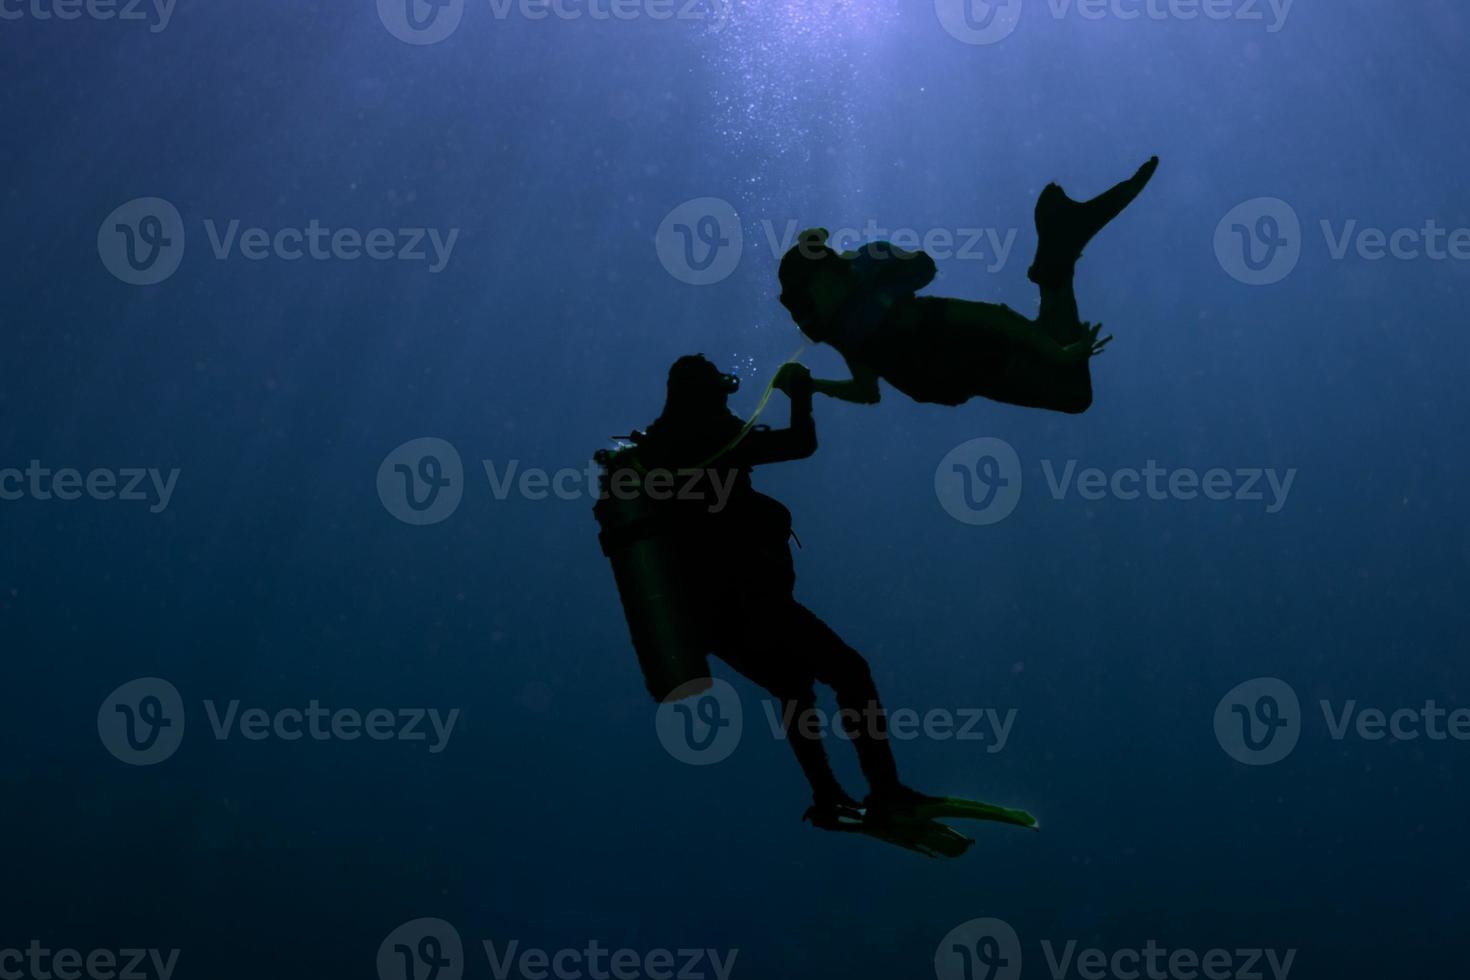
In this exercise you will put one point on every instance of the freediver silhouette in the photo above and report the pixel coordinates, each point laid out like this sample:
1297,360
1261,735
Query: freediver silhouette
701,578
948,351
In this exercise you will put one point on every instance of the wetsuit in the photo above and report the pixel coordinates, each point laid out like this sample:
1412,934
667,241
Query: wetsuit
947,351
745,584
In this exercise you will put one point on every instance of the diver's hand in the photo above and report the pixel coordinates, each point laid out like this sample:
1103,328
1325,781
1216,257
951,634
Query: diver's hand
794,379
1085,350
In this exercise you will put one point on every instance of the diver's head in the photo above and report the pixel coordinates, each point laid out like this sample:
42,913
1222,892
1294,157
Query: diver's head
814,281
697,387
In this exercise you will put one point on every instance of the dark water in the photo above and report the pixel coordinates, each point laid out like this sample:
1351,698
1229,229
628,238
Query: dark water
546,153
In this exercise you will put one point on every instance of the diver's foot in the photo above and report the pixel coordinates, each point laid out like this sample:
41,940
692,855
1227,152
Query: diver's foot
897,799
1064,226
832,812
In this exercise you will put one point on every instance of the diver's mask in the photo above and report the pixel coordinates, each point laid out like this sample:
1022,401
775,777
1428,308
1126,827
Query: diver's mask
696,379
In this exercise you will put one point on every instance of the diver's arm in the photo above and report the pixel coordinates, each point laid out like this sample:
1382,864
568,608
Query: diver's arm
799,439
861,389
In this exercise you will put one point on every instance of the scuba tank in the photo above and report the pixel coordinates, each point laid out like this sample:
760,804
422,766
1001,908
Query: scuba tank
640,538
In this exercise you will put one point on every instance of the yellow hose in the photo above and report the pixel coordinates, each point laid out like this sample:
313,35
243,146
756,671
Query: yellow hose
759,408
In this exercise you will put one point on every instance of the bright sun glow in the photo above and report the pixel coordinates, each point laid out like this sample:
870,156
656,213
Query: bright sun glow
784,71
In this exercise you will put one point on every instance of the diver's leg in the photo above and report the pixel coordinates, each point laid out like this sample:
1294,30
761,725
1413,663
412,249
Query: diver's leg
1059,318
1033,383
863,718
1064,227
842,668
983,347
810,753
798,702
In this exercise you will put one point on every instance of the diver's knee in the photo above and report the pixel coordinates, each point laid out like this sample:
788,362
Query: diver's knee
1077,401
849,672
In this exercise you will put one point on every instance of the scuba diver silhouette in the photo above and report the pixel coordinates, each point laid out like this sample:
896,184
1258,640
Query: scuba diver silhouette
947,351
741,576
697,579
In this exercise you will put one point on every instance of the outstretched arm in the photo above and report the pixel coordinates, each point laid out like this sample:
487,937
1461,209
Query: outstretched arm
799,439
862,388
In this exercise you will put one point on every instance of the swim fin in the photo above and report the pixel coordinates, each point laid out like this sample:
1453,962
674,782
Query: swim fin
1064,226
922,836
956,808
